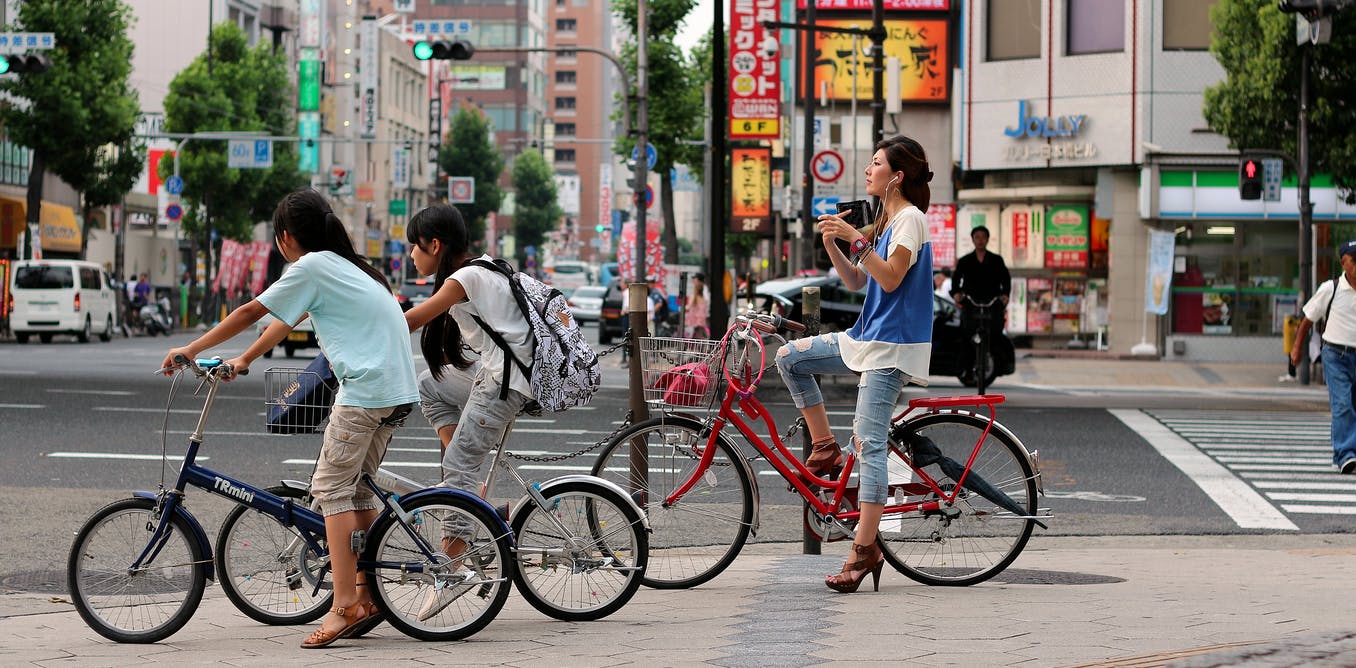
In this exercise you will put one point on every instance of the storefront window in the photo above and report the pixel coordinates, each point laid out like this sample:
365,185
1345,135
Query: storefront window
1234,278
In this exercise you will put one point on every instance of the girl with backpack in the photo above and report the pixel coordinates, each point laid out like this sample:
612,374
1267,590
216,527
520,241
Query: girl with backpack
461,396
371,357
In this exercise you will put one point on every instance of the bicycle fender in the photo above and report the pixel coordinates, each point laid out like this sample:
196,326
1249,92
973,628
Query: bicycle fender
692,421
546,487
199,536
500,525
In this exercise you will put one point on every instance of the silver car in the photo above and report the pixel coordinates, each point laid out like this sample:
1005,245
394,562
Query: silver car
586,303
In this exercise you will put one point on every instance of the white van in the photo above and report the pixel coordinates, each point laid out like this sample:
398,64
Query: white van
50,297
566,275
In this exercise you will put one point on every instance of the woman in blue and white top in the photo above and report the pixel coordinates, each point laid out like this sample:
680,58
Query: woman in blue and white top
889,346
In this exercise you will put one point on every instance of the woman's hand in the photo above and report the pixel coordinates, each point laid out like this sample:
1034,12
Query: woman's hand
832,226
168,366
239,366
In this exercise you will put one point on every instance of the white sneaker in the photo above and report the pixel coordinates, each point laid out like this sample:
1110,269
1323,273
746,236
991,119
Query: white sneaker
1287,378
441,595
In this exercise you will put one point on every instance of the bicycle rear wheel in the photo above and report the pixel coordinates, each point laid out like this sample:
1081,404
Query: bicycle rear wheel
142,606
268,571
455,598
976,537
696,538
581,557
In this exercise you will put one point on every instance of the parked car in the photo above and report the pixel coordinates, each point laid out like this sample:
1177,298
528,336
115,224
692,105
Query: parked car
413,292
586,303
301,336
569,274
952,351
50,297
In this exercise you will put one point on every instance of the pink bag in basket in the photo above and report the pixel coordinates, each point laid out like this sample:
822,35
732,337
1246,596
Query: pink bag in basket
685,384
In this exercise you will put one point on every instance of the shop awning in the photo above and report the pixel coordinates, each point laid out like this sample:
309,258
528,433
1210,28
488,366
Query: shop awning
59,228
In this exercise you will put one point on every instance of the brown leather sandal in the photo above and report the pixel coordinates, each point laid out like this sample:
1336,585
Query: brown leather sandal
869,560
353,617
824,458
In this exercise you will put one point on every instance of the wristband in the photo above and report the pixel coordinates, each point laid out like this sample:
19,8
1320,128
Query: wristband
858,246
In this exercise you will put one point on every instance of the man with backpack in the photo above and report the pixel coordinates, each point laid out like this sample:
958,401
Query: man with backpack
1332,311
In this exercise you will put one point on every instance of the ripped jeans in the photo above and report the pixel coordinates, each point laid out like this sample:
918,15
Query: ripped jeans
878,389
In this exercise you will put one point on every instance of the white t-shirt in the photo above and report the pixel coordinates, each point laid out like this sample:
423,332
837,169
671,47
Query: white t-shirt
1341,327
489,296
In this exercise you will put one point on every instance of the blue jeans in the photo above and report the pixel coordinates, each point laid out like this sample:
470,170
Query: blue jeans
1339,372
800,360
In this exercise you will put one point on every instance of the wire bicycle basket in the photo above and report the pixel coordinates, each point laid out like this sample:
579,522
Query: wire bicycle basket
681,373
296,401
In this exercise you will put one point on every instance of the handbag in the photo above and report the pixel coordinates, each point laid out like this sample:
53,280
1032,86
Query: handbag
305,402
685,384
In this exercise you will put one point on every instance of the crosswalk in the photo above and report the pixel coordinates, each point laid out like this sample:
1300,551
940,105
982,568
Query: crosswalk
1285,456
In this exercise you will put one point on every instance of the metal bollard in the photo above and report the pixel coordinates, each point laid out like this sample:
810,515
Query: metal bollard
809,313
638,315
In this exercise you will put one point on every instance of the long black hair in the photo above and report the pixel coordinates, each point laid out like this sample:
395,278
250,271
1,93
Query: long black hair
306,216
906,155
441,340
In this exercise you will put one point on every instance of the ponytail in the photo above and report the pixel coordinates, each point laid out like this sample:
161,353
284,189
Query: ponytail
309,219
441,341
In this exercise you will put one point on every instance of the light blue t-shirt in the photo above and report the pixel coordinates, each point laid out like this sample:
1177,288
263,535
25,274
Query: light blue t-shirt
358,323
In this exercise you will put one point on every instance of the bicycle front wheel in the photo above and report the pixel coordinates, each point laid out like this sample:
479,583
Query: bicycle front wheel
268,571
697,537
582,556
144,605
446,598
978,535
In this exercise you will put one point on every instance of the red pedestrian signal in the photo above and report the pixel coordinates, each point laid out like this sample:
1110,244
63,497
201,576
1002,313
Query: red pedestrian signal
1250,178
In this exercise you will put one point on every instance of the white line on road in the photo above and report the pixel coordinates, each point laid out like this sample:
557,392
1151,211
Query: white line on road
1235,497
113,393
23,406
1320,510
1280,458
119,455
129,409
1332,486
1320,498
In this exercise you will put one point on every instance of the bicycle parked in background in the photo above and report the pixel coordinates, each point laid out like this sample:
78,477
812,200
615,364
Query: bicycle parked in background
962,486
977,318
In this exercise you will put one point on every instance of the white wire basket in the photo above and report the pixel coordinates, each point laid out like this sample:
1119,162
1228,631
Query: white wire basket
296,401
684,373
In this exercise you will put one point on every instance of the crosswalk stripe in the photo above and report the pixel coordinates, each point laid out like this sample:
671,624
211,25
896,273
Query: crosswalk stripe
1297,496
1319,510
1340,486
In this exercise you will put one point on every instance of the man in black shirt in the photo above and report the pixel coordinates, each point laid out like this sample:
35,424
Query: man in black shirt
979,277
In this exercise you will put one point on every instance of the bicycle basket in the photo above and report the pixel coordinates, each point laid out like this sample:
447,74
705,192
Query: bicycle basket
296,401
680,372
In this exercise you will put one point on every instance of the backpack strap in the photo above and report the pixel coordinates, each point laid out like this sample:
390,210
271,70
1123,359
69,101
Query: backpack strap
1327,312
510,359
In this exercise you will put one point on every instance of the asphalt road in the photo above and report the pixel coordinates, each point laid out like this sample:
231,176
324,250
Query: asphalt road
83,425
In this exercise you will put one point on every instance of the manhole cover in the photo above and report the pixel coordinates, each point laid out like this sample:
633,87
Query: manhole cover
48,582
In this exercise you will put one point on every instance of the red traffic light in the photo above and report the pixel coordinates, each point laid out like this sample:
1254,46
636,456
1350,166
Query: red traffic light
1250,169
1249,179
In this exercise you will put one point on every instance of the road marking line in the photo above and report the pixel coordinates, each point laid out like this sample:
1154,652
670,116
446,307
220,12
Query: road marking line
118,455
1320,510
114,393
1248,508
1276,458
1293,477
1336,486
1299,468
130,409
1320,498
384,464
23,406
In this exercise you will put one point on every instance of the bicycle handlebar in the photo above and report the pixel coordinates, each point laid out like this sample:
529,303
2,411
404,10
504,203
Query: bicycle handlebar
769,323
987,304
205,367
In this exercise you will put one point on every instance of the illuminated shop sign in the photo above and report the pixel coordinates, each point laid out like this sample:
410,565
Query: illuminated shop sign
1055,128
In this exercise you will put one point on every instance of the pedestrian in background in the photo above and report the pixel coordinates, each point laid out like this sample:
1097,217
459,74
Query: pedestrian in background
889,346
1332,310
941,282
698,309
365,338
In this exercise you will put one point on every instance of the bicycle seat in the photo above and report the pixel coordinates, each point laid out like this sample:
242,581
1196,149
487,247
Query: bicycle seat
966,400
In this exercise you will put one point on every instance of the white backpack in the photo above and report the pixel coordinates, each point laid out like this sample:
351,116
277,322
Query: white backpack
564,369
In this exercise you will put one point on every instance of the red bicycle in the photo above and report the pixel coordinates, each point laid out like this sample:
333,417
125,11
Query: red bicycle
962,487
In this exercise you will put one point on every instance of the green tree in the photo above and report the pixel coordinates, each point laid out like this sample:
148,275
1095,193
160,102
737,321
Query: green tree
677,110
1256,106
230,88
468,150
535,209
80,106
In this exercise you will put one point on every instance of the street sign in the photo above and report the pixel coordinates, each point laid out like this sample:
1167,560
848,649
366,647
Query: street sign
396,207
174,185
461,189
404,6
827,166
174,211
250,153
651,155
1272,172
19,42
822,205
649,197
440,28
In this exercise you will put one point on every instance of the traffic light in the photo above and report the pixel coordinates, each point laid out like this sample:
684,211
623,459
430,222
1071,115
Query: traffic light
1250,178
599,228
455,49
24,63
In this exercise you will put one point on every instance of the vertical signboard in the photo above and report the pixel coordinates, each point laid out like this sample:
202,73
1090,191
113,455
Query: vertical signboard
1158,283
942,233
1023,242
367,79
751,190
308,87
400,167
755,82
605,201
971,216
1066,238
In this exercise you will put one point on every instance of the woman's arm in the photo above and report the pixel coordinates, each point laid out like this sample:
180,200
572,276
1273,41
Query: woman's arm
833,227
235,323
889,273
451,293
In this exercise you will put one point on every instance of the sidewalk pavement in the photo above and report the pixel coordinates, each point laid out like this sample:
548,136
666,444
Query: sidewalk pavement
1192,601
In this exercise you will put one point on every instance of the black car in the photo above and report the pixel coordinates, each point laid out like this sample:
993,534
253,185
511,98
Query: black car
952,351
611,318
413,292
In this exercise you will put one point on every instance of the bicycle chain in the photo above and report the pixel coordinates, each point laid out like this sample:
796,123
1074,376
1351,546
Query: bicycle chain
626,422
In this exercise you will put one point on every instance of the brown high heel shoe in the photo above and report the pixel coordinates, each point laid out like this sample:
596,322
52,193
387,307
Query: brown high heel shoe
869,560
824,458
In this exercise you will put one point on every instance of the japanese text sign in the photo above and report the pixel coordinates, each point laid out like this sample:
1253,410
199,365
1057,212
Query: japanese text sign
755,82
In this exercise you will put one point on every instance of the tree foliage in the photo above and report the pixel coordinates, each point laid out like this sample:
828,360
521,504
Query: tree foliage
71,114
676,107
467,150
231,88
1257,105
535,209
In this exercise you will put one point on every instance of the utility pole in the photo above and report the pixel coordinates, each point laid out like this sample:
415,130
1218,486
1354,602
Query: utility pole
1306,207
720,308
642,166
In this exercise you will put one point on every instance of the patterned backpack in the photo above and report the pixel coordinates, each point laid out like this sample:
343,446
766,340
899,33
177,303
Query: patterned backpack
564,369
